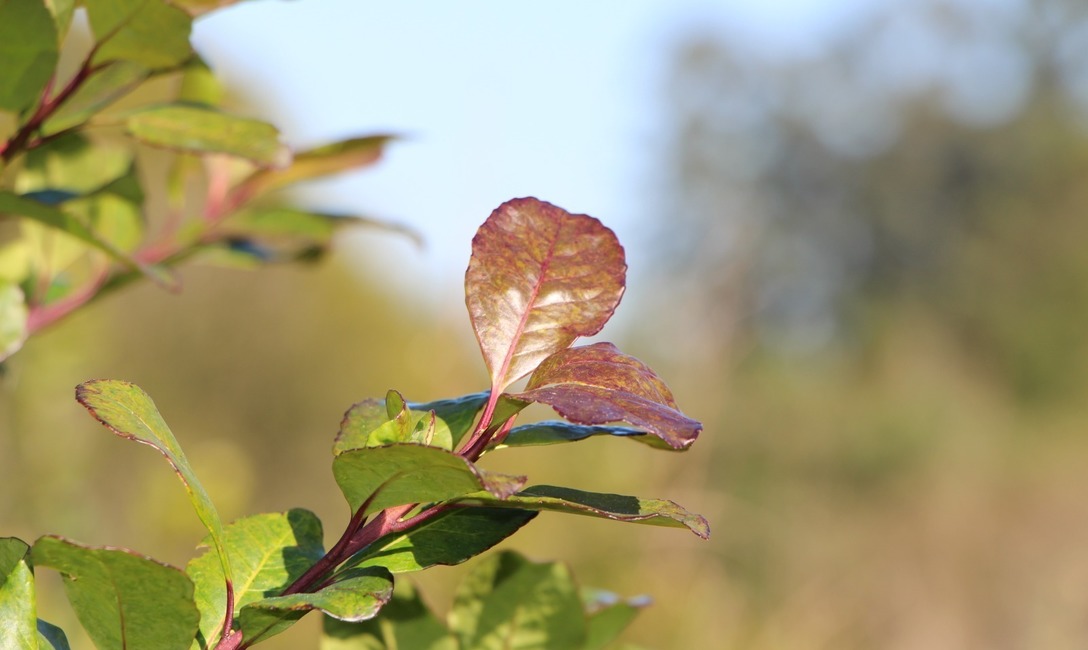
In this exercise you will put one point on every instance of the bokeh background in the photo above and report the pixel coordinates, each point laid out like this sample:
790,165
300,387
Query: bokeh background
857,239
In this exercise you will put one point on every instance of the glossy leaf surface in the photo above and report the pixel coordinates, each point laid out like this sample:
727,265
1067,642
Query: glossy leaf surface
509,602
18,617
597,384
13,315
321,161
405,623
154,34
539,277
202,130
448,539
128,411
28,50
125,601
383,477
356,597
267,553
658,512
553,432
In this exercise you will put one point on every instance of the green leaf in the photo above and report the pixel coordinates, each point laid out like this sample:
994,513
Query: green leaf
199,85
203,130
18,614
125,601
72,163
405,623
552,432
539,278
657,512
509,602
369,424
21,206
128,411
358,596
393,475
607,616
13,319
458,413
315,163
447,539
267,553
104,86
149,32
29,51
315,228
596,384
62,11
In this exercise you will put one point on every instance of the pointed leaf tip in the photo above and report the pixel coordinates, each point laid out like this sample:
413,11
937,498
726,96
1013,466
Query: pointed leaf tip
539,277
598,384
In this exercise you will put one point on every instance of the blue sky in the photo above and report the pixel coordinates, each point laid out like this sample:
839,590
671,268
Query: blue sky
496,99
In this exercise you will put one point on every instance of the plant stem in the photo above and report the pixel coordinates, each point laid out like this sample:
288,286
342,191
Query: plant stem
22,138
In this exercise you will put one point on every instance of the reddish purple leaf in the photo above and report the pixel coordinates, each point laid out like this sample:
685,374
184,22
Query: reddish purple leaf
597,384
539,278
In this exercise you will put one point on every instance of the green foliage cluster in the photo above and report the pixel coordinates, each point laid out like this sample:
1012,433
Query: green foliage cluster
539,277
119,162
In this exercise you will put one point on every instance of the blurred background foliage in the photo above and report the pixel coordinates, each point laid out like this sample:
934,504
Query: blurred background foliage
872,289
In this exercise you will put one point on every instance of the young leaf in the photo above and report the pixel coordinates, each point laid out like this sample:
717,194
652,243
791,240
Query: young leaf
368,424
203,130
128,411
267,553
13,315
405,623
357,596
447,539
314,163
607,615
458,413
552,432
657,512
539,277
123,600
596,384
393,475
509,602
154,34
17,605
28,48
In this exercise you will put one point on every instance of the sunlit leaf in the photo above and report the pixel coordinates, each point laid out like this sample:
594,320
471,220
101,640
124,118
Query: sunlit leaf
126,410
105,85
13,318
447,539
539,278
18,616
200,7
308,225
596,384
458,413
552,432
72,163
202,130
367,424
199,85
383,477
154,34
123,600
315,163
28,50
405,624
23,206
618,507
509,602
357,596
62,11
607,616
267,553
